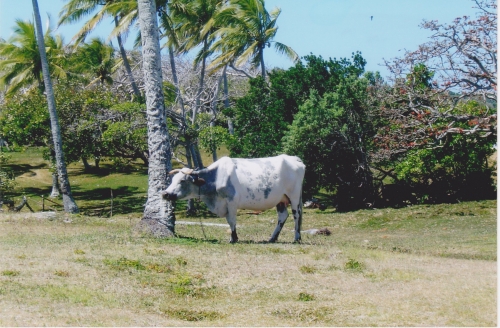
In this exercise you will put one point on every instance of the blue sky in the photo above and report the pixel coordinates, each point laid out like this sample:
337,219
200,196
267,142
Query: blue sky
330,28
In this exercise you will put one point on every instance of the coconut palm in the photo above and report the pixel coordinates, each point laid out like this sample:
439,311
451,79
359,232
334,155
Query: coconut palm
20,64
123,12
191,17
158,217
247,29
68,201
95,58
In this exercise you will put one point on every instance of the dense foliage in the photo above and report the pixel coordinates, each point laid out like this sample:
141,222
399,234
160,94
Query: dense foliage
93,126
258,121
317,111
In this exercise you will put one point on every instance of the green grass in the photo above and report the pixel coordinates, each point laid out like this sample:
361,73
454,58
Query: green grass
92,190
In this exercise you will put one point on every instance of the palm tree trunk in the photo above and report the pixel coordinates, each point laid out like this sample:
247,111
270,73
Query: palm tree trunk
176,83
190,206
159,217
262,66
55,190
230,124
196,150
68,201
123,54
201,84
214,110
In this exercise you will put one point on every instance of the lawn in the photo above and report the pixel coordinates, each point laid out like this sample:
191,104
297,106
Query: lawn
415,266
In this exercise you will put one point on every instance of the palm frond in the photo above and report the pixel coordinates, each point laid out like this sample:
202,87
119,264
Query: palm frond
287,51
124,25
22,79
249,54
75,10
88,27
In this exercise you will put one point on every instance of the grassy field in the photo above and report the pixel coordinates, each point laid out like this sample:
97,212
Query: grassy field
415,266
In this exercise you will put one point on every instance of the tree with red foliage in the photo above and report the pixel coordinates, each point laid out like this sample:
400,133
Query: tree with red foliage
429,86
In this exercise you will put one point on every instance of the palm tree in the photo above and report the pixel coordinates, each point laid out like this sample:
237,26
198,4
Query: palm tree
68,201
247,28
192,16
20,64
169,28
123,12
158,217
98,59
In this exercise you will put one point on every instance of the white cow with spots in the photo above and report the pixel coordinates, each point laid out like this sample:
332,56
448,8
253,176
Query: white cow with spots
256,184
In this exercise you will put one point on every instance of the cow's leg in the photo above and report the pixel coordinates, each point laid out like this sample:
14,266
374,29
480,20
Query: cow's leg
282,216
296,204
231,220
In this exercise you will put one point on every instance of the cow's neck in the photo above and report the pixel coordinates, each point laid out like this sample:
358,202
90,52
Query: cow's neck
209,188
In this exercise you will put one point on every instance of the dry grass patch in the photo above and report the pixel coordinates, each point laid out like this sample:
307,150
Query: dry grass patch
101,272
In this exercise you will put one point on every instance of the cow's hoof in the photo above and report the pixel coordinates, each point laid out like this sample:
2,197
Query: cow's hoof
233,241
297,241
272,241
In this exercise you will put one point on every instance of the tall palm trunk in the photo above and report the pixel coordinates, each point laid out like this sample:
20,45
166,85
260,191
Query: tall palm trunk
176,82
190,208
214,110
123,54
195,150
230,124
159,217
262,65
68,201
201,83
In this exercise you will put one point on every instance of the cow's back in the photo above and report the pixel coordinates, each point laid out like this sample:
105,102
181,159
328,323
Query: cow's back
261,183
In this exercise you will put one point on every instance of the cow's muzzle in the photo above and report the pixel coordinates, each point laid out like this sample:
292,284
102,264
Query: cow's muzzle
169,196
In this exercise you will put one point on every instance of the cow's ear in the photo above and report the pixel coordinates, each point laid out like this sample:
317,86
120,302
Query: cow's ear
199,182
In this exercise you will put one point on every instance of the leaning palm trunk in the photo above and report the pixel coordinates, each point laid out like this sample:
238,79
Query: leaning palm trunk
159,218
68,201
126,64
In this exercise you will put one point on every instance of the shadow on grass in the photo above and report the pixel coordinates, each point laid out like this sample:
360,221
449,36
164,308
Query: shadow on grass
20,169
184,240
105,170
104,193
97,202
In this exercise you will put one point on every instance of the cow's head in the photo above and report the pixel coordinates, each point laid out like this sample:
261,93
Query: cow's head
185,184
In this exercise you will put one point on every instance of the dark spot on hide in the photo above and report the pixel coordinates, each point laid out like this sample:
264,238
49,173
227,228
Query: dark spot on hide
250,192
281,207
265,179
228,191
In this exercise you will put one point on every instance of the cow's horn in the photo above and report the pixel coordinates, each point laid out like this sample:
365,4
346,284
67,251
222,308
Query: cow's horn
187,171
174,171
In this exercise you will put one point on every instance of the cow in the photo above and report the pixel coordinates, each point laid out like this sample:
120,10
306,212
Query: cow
255,184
